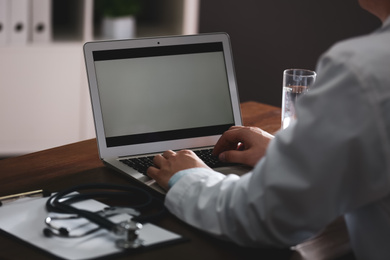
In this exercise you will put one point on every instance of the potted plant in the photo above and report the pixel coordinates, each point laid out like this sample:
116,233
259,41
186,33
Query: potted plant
118,17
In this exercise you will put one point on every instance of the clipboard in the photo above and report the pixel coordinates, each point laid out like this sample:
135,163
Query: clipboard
24,219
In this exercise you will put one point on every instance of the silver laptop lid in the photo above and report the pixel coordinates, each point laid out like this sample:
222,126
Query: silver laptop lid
153,94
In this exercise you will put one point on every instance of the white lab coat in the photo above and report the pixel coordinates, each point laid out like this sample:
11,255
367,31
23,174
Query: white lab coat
334,160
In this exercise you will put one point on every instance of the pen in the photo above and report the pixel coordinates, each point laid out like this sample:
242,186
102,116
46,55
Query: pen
34,193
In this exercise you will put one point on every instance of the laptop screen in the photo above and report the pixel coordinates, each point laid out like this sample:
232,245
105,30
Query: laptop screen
163,93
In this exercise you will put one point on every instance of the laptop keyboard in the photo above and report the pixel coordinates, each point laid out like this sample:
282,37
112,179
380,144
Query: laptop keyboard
141,164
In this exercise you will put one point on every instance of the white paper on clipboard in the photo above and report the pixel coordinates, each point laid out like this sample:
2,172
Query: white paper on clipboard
25,217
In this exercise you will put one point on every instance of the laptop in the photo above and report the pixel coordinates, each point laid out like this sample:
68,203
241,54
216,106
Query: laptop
150,95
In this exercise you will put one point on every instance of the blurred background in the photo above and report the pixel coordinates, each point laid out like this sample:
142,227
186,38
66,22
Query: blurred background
270,36
44,99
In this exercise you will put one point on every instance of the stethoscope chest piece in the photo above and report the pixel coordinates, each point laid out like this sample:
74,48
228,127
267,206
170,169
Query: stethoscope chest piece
130,231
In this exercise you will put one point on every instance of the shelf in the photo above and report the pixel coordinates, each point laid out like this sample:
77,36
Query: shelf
161,18
67,20
44,100
75,20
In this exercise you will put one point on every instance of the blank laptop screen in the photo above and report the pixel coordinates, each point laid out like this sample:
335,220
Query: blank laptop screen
163,93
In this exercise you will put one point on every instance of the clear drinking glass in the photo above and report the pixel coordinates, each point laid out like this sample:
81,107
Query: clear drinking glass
296,82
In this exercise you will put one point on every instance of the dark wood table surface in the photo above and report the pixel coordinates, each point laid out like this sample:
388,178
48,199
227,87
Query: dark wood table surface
78,163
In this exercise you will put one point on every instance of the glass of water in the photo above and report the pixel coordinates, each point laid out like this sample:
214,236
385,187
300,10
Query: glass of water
296,82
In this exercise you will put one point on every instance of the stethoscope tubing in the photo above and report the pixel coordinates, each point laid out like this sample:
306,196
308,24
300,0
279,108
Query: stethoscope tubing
62,201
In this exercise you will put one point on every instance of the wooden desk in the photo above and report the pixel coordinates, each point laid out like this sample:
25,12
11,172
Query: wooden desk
77,163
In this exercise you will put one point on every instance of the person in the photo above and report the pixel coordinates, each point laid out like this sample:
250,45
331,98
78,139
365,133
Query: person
334,160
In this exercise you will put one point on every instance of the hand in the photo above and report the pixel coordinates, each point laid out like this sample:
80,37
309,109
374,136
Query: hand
170,162
240,144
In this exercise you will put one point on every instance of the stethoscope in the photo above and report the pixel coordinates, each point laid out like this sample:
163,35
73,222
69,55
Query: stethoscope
127,231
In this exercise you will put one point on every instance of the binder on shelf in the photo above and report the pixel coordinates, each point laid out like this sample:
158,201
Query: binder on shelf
4,21
41,21
20,15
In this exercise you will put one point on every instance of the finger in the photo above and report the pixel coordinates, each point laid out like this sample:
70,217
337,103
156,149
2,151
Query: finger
168,154
158,160
228,141
152,172
233,157
156,174
236,127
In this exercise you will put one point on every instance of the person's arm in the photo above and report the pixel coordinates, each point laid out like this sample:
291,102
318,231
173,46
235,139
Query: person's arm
313,171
